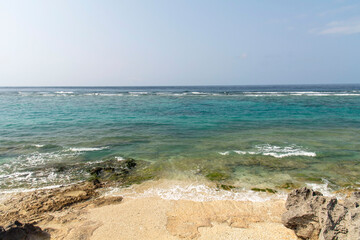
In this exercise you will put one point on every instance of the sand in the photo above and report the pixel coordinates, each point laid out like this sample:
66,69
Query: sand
155,218
151,210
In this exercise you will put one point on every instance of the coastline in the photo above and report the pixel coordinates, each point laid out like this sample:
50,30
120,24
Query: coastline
106,215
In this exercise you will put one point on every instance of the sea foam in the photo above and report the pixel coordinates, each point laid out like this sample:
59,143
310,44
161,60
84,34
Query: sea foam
275,151
195,192
87,149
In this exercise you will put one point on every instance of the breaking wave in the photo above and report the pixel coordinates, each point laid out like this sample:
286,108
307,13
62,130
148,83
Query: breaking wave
274,151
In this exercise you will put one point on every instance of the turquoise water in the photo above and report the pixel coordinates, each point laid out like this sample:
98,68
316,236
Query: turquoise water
264,136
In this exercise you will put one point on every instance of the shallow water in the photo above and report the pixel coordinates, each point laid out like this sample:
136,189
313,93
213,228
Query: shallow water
264,136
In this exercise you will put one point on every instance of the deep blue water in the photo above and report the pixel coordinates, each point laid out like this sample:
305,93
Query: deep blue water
255,135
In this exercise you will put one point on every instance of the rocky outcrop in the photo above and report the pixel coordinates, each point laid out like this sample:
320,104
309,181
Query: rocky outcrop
38,205
314,216
53,210
21,231
28,207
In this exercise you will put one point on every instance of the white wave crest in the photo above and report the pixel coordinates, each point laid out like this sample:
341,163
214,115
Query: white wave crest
323,188
275,151
295,93
280,152
64,92
104,94
38,145
118,158
138,93
224,153
265,95
87,149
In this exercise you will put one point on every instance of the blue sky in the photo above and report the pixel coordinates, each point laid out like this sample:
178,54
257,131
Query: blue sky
178,42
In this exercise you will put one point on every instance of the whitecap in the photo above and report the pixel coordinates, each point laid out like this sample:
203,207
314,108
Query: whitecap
118,158
103,94
264,95
111,94
87,149
280,152
138,93
64,92
243,152
224,153
38,145
275,151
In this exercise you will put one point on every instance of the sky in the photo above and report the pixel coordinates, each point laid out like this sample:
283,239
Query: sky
178,42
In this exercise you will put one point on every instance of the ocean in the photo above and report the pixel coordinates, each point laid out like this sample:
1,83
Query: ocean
250,137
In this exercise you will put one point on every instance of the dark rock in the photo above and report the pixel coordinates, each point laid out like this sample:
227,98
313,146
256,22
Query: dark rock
19,231
314,216
130,163
112,170
96,171
96,182
13,233
17,223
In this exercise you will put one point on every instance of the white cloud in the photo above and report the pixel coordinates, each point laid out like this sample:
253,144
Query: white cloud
339,28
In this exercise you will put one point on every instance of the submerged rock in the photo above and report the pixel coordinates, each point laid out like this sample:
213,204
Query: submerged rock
112,170
314,216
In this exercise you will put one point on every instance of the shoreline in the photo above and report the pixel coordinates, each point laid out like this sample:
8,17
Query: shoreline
198,190
87,211
154,209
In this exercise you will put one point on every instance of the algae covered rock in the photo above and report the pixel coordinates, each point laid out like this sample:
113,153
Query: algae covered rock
112,170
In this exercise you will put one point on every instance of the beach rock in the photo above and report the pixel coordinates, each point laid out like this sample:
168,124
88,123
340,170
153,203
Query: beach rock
18,231
107,200
314,216
29,207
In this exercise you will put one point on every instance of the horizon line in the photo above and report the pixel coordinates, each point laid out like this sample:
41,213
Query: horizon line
211,85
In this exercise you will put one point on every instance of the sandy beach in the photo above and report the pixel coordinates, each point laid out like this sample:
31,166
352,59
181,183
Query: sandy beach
107,215
154,218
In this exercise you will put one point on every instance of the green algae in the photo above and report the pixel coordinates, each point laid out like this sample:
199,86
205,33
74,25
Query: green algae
217,176
258,189
226,187
269,190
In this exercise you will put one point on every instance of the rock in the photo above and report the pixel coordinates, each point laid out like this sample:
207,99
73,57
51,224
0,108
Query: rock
314,216
130,163
107,200
112,170
29,207
19,231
